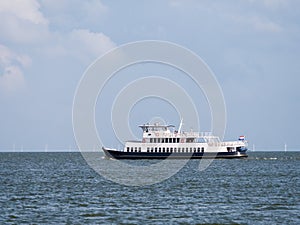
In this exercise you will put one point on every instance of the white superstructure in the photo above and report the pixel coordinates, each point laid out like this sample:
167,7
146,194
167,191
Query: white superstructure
161,141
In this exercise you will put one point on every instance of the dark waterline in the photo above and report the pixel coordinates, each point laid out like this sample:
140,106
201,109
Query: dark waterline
61,188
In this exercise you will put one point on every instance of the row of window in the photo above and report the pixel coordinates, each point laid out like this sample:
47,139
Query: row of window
164,140
171,150
167,150
135,149
171,140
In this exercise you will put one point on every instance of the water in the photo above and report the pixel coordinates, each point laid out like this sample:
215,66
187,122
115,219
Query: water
60,188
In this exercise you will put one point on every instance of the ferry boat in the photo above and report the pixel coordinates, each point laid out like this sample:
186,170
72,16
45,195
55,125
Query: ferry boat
163,141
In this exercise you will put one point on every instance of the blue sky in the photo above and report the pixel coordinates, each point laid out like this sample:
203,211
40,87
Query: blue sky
252,46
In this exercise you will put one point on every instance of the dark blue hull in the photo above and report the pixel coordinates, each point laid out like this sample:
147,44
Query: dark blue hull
197,155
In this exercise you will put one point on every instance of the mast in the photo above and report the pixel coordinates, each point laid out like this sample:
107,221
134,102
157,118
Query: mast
180,125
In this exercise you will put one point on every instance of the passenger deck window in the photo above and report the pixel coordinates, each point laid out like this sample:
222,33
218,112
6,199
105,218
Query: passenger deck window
190,140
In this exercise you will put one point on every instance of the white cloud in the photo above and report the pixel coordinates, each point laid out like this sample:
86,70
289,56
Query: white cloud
70,14
94,8
264,25
12,79
67,6
8,57
256,22
271,4
94,44
175,3
22,22
25,10
11,64
80,44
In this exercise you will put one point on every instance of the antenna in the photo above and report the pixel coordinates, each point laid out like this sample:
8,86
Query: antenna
180,125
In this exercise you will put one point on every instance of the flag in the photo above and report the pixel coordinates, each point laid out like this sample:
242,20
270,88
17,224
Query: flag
242,138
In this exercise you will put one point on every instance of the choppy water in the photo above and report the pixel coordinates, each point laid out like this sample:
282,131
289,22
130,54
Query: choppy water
60,188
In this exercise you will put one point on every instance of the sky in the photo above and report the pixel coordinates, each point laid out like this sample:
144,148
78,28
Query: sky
252,47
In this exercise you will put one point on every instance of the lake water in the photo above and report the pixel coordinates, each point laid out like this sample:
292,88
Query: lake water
60,188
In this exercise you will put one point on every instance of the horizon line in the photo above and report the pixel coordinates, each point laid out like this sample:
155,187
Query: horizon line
100,150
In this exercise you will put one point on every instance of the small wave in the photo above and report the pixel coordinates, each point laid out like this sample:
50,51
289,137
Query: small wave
110,158
273,158
13,216
93,215
83,205
266,158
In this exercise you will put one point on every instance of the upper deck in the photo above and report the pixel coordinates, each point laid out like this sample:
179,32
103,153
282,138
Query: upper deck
156,127
168,131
